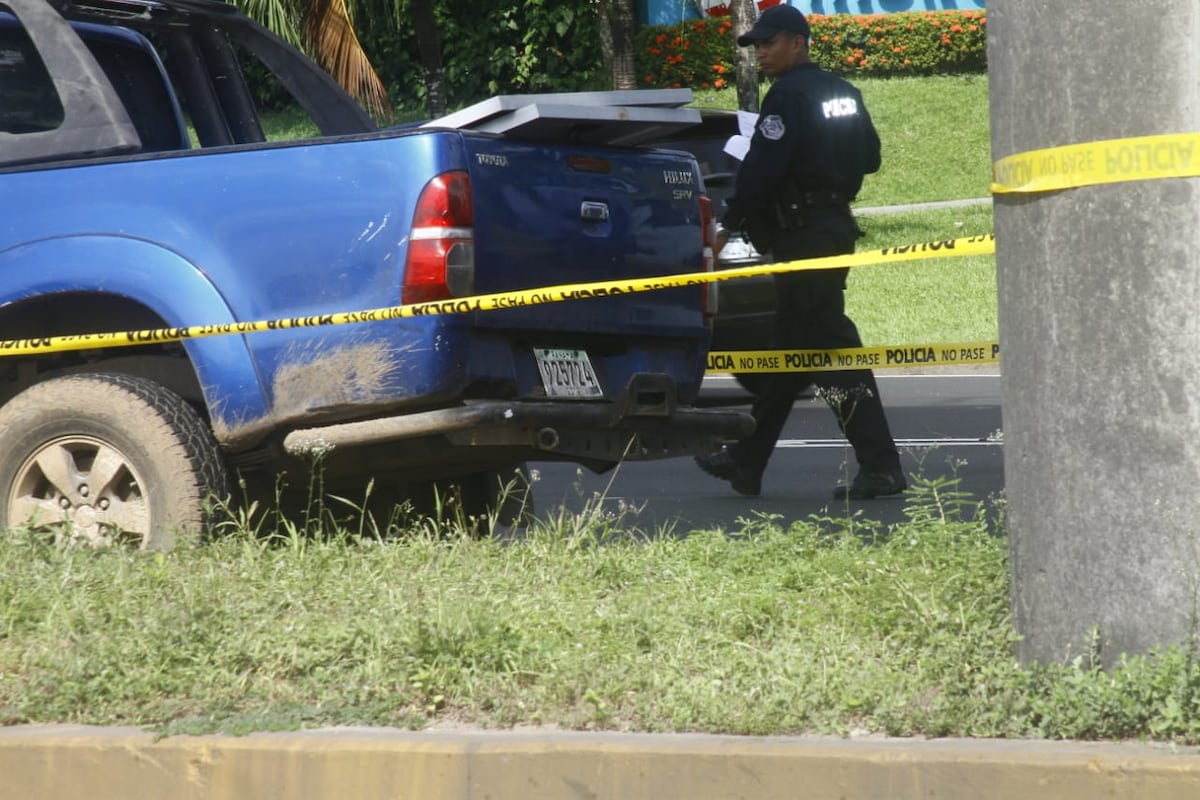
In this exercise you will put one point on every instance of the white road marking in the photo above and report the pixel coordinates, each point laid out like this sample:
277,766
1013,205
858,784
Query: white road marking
948,441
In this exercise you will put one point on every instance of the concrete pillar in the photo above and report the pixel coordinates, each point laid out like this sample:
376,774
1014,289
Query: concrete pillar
1099,291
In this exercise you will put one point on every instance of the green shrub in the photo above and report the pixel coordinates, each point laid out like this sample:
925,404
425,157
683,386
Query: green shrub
700,53
915,43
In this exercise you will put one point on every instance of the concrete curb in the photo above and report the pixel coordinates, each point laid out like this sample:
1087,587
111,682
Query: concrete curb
68,762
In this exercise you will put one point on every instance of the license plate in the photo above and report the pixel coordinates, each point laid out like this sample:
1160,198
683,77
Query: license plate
567,373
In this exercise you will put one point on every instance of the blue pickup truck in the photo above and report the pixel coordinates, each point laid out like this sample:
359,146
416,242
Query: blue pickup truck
138,192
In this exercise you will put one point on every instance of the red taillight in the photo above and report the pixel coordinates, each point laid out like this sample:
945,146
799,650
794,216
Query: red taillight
708,240
441,246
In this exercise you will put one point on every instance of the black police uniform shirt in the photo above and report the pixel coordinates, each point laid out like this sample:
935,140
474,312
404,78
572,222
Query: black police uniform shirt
814,131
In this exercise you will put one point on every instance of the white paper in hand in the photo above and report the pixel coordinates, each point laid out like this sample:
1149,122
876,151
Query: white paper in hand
738,144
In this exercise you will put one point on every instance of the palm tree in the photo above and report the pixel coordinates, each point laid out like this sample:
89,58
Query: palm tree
324,29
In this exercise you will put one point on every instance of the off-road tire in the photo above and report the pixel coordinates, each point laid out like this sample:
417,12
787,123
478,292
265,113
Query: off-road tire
155,458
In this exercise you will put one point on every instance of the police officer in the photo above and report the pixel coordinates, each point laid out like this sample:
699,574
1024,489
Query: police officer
813,143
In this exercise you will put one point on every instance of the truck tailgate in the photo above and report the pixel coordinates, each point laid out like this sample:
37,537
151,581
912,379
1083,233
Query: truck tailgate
554,214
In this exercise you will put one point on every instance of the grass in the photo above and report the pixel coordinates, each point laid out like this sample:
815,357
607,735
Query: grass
942,151
830,625
925,302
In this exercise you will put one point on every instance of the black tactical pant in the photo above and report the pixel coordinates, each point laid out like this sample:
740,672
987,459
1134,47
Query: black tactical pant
811,314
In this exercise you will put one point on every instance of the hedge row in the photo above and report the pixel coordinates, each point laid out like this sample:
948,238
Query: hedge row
700,53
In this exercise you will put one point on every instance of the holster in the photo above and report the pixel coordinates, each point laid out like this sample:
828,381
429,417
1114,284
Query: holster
783,219
774,220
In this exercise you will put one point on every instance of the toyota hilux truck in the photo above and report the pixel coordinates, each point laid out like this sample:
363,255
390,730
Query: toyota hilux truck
139,194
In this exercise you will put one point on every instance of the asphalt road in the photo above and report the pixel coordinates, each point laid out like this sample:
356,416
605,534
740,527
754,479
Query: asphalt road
947,427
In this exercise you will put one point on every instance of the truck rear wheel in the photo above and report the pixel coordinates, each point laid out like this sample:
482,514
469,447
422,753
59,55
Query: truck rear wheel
106,458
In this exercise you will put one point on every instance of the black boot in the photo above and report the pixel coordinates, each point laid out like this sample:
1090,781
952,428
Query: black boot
723,465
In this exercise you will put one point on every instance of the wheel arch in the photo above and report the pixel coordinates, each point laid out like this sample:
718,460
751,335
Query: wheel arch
97,284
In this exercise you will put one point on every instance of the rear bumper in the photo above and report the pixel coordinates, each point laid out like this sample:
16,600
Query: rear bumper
532,430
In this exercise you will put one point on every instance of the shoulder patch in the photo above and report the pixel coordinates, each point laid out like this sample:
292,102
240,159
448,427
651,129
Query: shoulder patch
772,128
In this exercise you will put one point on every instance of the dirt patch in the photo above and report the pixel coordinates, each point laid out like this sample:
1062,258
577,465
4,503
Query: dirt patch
314,378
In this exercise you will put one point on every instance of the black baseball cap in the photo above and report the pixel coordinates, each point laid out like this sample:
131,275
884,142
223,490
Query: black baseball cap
772,21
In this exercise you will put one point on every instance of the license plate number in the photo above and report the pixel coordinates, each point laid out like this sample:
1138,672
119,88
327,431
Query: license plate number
567,373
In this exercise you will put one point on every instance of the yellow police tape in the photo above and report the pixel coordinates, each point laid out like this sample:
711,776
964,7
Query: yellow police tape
951,354
1093,163
974,245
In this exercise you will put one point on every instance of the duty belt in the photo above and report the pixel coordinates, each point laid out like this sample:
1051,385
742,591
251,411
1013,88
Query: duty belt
821,199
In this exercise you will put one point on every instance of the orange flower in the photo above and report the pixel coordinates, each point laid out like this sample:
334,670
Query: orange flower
719,83
719,69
